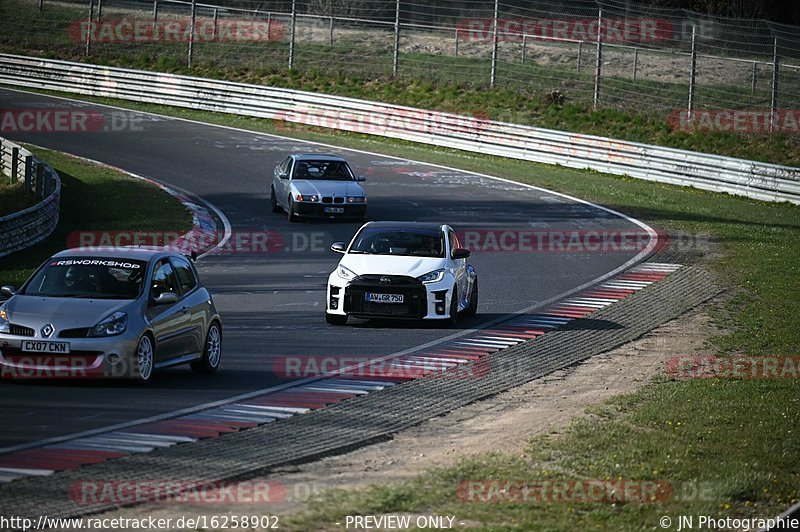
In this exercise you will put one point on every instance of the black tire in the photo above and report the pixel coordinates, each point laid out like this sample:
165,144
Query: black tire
290,212
273,201
212,351
143,363
453,319
472,309
336,319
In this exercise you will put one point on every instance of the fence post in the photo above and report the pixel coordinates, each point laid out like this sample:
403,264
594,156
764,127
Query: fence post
635,62
89,28
598,67
396,58
99,10
580,56
330,27
524,47
41,5
292,34
269,25
493,74
774,100
216,23
753,80
14,163
155,15
456,54
692,74
40,180
191,32
27,186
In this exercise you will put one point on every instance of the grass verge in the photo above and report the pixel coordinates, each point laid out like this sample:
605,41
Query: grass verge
525,95
13,197
728,447
95,198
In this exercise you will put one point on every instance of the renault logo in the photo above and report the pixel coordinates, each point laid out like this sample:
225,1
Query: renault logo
385,280
47,330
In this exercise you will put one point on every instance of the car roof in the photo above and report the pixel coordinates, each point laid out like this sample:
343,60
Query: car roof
317,157
122,252
406,225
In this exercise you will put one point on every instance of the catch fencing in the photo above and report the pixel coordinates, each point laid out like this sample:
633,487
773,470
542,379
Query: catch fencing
758,180
29,226
604,53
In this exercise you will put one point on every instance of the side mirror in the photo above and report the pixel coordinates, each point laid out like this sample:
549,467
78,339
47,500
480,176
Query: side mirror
8,290
361,178
461,253
167,298
339,247
283,175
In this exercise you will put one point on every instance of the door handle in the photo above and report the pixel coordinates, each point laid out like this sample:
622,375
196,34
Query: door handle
185,310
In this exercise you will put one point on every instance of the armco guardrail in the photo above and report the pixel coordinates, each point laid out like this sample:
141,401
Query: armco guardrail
29,226
666,165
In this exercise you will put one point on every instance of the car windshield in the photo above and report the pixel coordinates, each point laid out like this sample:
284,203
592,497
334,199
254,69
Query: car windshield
328,170
399,241
88,277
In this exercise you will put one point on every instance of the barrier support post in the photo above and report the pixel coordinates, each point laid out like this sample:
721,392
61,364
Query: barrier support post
773,110
598,66
692,75
493,74
396,58
292,34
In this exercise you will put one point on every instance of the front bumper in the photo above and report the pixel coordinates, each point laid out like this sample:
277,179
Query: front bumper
318,210
421,301
88,358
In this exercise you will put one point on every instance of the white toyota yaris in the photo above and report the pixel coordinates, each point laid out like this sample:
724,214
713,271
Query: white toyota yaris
403,270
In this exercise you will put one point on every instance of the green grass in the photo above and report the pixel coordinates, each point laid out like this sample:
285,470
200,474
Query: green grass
735,439
357,68
96,198
13,197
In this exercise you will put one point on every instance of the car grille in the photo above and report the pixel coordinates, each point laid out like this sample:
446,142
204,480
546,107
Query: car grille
83,332
21,330
328,199
415,301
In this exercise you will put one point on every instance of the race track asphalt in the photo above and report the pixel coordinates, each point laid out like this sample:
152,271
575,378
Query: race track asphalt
273,303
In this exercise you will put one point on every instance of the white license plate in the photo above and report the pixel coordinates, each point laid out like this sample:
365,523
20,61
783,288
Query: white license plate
334,210
44,346
384,298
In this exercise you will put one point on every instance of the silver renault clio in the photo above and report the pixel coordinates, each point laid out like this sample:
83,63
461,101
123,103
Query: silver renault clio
109,312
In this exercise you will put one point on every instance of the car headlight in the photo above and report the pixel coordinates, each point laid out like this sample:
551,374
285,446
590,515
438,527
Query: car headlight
432,277
5,327
356,199
110,326
313,198
344,273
